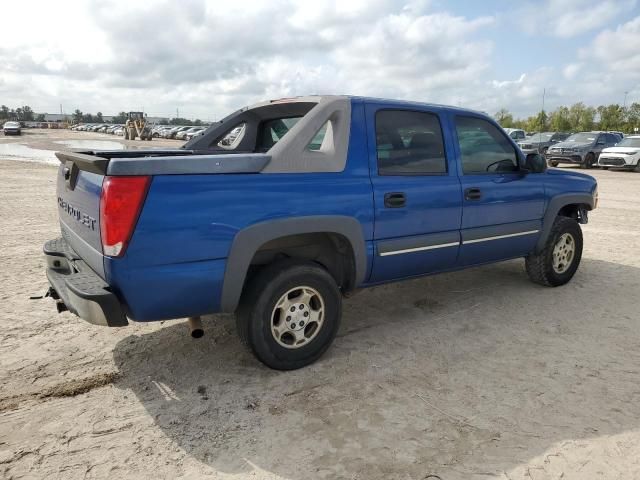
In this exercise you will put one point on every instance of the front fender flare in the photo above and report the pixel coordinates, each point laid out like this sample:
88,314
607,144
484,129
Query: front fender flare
248,240
555,205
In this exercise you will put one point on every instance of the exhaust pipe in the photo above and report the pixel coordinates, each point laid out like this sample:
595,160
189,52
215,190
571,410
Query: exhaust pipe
195,325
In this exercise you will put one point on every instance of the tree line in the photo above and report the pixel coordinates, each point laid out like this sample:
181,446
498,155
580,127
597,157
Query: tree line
576,118
79,117
22,114
26,114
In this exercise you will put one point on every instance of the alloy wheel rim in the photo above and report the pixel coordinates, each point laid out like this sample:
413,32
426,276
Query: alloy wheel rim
297,317
564,253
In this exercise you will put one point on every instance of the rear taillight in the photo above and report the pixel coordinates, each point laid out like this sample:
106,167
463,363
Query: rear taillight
120,204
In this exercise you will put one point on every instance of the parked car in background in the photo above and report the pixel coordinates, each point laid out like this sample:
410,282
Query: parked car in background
625,154
195,133
168,132
516,134
540,142
175,131
157,130
183,134
581,149
12,128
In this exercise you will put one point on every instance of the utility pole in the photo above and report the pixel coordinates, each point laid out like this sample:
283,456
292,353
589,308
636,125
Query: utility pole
544,92
624,105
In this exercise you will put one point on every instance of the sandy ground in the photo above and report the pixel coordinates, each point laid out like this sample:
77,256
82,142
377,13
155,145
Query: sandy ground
472,375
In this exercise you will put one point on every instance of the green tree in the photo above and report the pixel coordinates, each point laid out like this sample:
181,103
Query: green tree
4,112
87,118
120,118
98,117
27,113
541,121
559,120
77,116
611,117
504,118
40,117
633,117
581,117
180,121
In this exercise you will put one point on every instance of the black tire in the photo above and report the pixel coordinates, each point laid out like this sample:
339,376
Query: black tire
589,160
254,315
540,266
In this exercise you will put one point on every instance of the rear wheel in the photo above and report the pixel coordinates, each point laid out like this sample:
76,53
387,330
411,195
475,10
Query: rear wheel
289,314
558,261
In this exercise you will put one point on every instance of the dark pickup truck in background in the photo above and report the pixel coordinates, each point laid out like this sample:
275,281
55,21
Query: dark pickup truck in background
282,208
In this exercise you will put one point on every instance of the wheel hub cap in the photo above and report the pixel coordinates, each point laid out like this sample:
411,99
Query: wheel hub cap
563,253
297,317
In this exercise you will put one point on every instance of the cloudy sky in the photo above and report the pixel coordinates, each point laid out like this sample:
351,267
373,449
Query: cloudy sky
207,58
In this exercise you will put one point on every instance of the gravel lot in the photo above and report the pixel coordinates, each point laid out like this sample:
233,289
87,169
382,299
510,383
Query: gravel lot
471,375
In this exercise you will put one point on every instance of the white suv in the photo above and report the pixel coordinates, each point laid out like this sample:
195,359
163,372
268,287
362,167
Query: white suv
626,154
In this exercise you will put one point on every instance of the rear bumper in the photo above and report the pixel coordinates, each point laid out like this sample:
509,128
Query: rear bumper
79,288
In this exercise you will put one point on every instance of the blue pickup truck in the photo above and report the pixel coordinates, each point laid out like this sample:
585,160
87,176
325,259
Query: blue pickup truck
283,208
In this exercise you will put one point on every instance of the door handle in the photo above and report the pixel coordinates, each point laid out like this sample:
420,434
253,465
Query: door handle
395,200
472,194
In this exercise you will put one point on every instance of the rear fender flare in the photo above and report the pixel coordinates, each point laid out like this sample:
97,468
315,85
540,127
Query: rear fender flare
555,205
248,240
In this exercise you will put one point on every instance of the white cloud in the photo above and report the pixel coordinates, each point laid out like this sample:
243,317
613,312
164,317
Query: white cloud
209,57
569,18
571,71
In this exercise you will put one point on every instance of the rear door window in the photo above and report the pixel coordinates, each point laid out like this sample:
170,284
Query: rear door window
409,143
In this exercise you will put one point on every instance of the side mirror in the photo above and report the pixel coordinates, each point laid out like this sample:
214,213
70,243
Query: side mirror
535,163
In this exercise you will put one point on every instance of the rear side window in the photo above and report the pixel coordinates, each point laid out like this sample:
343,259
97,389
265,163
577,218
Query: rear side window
484,148
271,131
233,137
409,143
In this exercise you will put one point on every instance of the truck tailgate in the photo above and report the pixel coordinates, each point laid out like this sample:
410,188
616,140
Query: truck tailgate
78,192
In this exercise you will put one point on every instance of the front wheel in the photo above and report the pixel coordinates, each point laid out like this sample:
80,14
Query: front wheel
589,160
558,261
289,314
